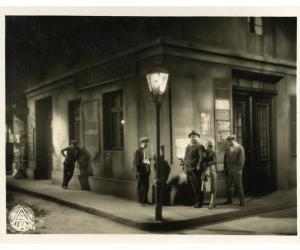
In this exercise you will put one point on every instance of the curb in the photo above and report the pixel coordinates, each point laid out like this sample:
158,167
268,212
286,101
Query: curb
157,225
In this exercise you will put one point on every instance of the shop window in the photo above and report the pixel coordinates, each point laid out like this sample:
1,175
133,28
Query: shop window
113,120
74,121
255,25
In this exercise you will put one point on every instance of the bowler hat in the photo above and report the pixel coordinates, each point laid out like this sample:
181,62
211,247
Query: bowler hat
194,132
144,139
231,137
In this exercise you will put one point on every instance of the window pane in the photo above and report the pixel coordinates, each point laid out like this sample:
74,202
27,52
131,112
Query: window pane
262,130
244,83
114,129
258,30
258,21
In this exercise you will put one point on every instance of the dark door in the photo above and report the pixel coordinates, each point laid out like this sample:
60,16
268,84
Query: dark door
44,148
253,126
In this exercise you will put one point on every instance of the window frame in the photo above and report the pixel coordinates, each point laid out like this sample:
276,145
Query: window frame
113,133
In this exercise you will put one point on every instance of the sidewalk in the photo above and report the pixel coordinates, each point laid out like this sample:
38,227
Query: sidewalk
129,213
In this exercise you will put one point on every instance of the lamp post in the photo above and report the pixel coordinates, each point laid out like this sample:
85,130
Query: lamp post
157,79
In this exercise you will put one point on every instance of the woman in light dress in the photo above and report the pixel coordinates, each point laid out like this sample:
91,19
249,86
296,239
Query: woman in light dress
210,175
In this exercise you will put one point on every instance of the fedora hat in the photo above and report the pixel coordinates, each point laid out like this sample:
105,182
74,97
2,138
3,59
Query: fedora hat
194,132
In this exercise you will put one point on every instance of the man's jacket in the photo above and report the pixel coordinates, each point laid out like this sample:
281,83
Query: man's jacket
234,158
139,167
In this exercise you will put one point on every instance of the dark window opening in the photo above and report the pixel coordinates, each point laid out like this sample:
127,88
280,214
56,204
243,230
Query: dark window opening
113,122
74,121
255,25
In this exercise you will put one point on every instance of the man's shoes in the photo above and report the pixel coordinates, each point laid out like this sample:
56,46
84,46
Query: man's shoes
148,203
141,204
227,202
197,205
242,204
212,206
64,187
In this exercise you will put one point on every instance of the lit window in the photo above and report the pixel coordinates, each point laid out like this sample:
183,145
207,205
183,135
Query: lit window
255,25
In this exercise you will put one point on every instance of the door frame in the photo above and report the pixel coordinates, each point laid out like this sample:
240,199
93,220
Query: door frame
271,94
37,174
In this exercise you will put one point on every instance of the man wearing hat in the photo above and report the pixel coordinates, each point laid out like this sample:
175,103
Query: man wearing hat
71,154
141,166
193,160
234,159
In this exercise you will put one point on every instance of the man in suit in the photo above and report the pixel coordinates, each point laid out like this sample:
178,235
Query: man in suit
71,154
141,166
234,159
192,164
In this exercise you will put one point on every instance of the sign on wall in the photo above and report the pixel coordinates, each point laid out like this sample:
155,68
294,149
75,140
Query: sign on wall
181,144
205,123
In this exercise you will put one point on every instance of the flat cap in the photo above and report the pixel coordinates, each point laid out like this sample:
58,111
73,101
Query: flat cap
144,139
231,137
210,142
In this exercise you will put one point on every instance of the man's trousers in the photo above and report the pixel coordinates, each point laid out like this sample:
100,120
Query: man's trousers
142,187
68,173
194,177
234,180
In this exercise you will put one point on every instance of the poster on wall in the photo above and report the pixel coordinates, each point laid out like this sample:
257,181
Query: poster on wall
181,144
223,125
223,115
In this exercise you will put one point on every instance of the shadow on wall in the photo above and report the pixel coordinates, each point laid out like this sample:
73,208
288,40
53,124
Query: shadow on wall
85,168
174,189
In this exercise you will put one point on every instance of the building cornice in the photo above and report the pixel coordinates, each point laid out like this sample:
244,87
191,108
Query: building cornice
227,53
183,49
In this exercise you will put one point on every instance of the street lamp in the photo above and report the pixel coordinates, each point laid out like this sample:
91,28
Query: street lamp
157,79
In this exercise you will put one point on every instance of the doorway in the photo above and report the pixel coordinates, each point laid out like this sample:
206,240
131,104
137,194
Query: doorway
44,147
253,115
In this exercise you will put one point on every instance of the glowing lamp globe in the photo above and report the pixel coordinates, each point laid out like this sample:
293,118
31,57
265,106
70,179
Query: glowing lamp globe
157,79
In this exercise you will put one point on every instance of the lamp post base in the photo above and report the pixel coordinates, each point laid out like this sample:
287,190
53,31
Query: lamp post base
158,213
158,207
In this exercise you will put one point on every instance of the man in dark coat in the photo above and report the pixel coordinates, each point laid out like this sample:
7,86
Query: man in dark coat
71,154
193,160
141,166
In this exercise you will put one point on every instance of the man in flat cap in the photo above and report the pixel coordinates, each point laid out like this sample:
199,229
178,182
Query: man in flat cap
141,166
234,159
192,163
71,154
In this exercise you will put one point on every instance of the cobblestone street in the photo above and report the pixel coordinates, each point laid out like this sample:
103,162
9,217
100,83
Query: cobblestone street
54,218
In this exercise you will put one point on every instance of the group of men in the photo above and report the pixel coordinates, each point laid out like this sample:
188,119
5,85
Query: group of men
195,163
